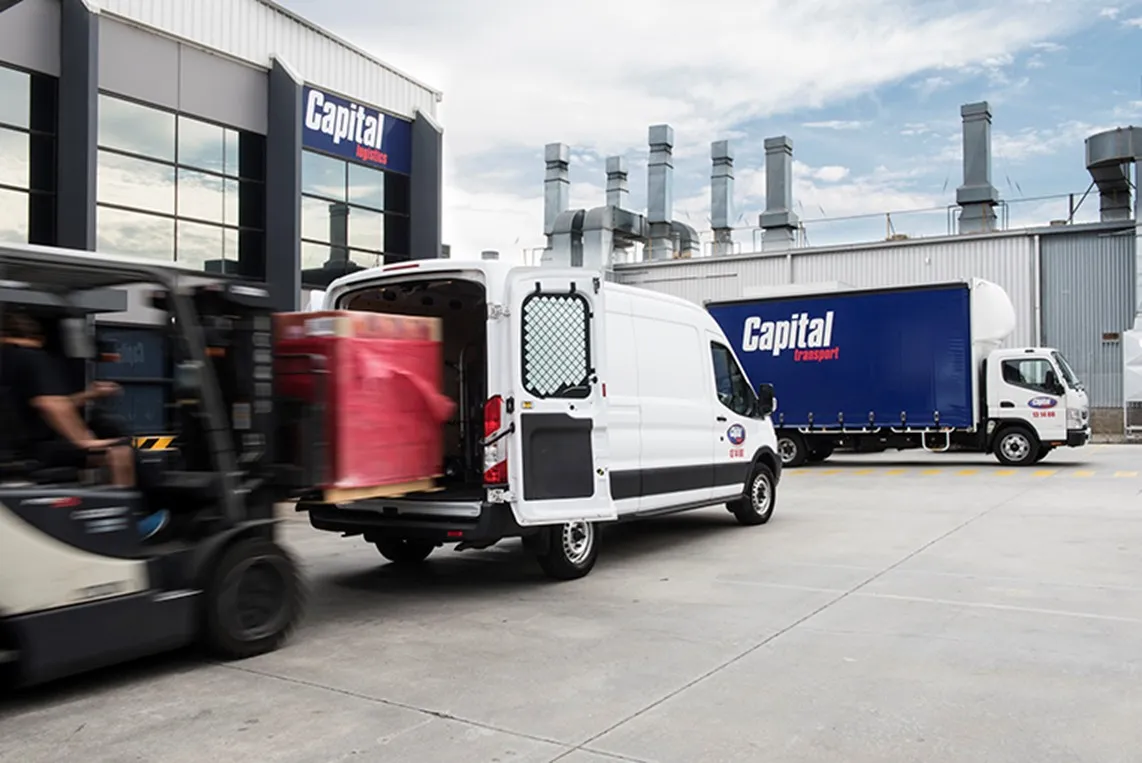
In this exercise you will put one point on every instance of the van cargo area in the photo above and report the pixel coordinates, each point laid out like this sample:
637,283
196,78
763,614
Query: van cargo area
461,305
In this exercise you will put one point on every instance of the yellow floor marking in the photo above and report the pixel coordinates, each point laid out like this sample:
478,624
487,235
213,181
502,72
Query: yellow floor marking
967,472
1004,472
1045,472
863,471
1126,474
931,471
826,471
895,472
1083,473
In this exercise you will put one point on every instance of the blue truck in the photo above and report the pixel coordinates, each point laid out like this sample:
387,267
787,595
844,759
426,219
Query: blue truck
905,367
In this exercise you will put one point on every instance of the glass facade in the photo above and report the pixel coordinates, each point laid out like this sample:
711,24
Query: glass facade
175,188
352,212
27,157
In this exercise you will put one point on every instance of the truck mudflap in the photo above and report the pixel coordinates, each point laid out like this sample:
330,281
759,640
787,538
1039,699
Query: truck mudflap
1077,438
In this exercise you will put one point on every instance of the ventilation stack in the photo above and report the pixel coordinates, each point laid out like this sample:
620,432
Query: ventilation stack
722,197
660,192
977,197
618,188
778,222
556,184
489,255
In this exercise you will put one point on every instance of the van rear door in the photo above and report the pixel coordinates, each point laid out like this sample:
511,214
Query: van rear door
558,456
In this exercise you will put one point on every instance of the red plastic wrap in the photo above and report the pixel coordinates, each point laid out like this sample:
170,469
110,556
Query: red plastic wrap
384,405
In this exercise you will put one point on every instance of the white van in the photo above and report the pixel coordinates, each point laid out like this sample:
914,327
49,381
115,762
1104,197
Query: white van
580,402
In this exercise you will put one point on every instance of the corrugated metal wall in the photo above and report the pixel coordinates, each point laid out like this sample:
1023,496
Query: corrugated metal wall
1006,260
256,31
1088,291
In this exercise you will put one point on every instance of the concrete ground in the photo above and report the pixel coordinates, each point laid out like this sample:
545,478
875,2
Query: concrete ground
897,608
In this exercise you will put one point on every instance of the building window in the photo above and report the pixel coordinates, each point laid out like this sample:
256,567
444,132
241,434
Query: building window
27,156
176,188
351,212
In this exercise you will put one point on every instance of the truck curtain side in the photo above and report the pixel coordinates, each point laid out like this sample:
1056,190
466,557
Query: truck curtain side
892,358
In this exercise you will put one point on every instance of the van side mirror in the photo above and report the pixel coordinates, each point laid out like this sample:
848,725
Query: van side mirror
766,401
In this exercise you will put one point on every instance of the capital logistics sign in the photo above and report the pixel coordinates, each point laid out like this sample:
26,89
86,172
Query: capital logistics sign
338,126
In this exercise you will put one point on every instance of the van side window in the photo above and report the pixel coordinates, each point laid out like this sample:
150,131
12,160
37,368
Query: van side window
1031,373
556,346
733,389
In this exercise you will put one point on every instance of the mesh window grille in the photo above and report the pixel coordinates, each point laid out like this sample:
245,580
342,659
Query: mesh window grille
556,347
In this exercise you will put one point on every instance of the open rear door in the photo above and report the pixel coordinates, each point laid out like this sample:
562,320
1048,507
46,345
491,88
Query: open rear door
558,454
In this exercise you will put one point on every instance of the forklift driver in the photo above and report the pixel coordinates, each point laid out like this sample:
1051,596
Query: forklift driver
56,433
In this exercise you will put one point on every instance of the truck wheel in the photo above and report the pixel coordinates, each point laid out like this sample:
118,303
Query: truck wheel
253,601
571,551
1016,446
820,452
792,449
756,506
404,550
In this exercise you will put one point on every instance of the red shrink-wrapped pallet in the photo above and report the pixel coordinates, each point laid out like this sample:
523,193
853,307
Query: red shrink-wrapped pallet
382,392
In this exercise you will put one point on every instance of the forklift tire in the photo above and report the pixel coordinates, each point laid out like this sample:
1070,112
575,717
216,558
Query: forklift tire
253,601
405,550
1016,445
570,550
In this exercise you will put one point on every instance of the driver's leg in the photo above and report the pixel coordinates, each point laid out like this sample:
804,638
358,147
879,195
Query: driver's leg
131,467
121,462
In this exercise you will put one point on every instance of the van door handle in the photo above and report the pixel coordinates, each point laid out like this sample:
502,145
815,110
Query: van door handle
1006,404
721,418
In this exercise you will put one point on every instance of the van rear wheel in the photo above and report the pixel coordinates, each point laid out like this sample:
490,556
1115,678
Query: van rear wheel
755,507
569,551
404,550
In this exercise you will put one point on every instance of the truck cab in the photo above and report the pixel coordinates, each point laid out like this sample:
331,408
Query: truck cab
1033,389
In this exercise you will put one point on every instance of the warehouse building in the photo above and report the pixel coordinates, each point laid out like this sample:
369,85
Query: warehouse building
1073,285
232,135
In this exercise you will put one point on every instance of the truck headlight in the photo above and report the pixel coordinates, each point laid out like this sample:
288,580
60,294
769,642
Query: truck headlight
1075,418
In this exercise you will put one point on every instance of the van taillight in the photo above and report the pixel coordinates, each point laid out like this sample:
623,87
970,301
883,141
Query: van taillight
496,454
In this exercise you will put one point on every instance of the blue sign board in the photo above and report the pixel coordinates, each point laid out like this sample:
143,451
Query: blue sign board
867,358
338,126
142,354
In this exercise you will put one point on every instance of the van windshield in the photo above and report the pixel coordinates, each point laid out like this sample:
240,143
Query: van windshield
1068,373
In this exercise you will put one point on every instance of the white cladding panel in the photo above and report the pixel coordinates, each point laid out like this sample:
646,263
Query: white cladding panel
257,31
1009,261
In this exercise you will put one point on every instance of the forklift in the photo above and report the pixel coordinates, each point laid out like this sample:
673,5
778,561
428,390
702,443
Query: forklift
79,588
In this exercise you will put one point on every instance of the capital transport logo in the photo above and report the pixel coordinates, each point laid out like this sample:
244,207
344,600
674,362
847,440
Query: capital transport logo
810,338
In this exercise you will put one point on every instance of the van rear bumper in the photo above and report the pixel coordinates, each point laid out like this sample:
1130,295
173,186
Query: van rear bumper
479,522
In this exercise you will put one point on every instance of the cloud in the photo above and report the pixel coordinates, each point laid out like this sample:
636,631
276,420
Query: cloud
1134,22
831,173
517,74
1109,13
835,124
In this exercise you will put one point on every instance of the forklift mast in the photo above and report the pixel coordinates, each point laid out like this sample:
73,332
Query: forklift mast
237,327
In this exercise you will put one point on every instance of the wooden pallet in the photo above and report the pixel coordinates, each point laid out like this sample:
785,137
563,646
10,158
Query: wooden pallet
349,494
